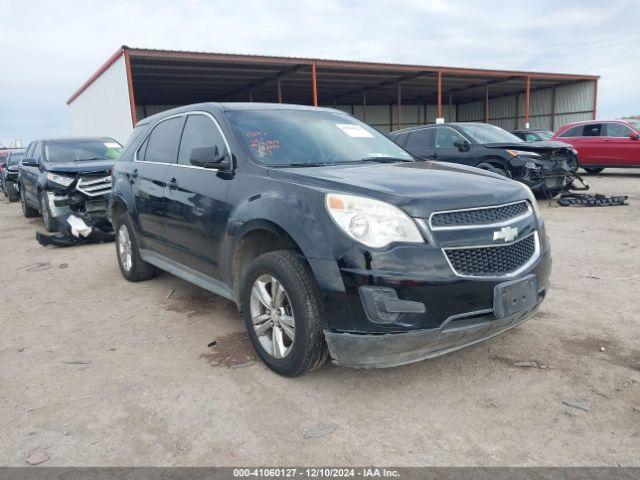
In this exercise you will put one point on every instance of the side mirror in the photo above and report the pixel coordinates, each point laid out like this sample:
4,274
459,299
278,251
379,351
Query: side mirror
30,162
634,136
462,146
209,157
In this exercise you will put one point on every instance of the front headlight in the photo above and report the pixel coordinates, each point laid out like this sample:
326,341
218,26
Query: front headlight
534,203
60,179
520,153
371,222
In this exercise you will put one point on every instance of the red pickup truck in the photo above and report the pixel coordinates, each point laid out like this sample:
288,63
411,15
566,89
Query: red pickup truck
603,144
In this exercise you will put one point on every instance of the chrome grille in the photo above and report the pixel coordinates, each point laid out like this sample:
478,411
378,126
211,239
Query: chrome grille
94,185
479,216
493,260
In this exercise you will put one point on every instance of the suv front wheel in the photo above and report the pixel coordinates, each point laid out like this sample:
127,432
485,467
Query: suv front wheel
132,267
281,313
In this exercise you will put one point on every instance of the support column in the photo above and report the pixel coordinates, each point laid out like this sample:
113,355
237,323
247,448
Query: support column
314,80
527,102
439,94
279,91
132,101
450,105
399,112
251,95
486,103
595,97
364,105
553,109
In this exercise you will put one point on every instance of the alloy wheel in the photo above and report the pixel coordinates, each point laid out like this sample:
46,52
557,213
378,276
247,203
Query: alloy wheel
272,316
124,247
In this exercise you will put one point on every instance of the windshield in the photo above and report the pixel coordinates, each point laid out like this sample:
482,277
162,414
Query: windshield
485,133
14,158
310,137
81,150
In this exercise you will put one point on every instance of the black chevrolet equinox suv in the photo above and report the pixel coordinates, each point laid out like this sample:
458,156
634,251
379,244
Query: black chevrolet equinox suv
327,235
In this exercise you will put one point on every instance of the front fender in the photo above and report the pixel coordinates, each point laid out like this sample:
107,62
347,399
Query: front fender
303,219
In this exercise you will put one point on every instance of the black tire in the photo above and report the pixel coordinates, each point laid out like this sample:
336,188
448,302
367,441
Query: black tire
50,223
308,349
493,168
11,192
138,270
27,211
593,169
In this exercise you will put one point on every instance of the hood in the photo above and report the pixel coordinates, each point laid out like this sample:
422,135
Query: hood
541,146
418,188
80,167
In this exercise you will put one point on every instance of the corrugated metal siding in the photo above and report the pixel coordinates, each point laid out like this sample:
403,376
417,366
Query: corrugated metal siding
469,112
576,97
574,102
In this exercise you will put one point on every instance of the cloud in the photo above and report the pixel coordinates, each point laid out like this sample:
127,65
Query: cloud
49,48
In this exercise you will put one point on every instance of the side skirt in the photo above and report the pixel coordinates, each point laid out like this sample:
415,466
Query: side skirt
188,274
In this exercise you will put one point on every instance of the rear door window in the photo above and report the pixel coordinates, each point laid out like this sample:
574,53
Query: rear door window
617,130
199,131
422,138
163,141
573,132
592,130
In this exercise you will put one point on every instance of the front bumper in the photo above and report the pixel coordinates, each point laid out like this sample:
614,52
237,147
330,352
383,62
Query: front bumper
394,349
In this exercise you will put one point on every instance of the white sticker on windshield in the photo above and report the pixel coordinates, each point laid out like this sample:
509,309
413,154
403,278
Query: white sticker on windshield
111,145
354,130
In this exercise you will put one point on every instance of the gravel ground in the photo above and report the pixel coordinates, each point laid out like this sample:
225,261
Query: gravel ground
96,371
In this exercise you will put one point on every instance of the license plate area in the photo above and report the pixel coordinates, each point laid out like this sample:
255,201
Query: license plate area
515,296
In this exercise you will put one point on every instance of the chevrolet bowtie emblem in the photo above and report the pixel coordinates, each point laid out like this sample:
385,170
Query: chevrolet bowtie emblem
508,234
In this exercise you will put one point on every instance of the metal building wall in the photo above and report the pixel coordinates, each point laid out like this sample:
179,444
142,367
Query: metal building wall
573,102
103,108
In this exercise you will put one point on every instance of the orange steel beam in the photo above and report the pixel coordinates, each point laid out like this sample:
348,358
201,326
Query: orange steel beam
527,101
595,97
132,100
399,112
439,93
364,106
314,80
486,104
279,91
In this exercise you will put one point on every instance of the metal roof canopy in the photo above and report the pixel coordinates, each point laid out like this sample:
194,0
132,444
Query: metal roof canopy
179,77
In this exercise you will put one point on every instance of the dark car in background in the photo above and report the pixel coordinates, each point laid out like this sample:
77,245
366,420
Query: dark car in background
604,144
327,235
547,168
9,174
529,135
57,175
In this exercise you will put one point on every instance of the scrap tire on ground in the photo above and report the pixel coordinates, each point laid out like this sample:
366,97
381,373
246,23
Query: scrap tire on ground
593,169
308,351
27,211
12,193
50,223
138,270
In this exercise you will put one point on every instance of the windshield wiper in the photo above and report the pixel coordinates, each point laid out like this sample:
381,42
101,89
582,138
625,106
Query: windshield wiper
90,159
303,164
384,159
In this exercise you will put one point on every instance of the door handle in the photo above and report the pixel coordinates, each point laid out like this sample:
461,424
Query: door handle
434,155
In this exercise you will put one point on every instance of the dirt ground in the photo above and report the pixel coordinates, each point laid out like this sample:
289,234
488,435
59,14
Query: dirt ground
98,371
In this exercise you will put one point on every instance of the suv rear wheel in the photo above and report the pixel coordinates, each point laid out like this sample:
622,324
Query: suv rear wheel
132,267
281,313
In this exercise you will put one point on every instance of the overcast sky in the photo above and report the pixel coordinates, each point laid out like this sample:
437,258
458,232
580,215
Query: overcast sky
49,48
